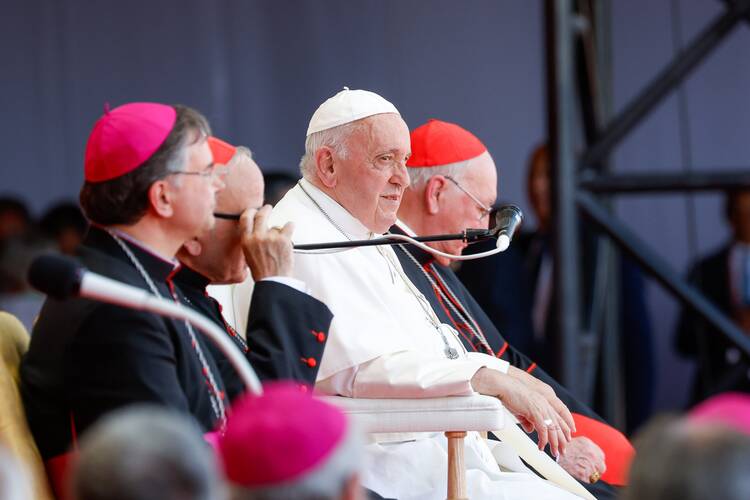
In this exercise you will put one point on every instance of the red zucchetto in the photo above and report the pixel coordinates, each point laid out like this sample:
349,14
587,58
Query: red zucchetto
125,137
279,436
221,151
439,143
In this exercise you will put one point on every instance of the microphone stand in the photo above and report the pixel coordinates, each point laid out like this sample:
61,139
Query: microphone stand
468,236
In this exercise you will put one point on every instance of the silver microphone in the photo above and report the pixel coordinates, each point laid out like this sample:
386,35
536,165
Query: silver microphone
508,219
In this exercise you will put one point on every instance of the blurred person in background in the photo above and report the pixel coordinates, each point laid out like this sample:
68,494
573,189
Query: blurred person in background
276,185
724,278
145,453
15,218
65,225
15,226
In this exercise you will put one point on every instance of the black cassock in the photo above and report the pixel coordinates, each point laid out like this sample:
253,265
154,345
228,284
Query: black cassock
455,306
286,332
87,358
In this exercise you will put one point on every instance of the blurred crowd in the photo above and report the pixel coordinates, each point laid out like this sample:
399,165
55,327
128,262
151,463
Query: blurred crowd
22,238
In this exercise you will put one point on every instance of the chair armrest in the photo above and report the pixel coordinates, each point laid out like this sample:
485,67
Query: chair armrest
457,413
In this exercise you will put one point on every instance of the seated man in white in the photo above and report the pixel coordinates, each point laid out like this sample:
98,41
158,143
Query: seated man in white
385,340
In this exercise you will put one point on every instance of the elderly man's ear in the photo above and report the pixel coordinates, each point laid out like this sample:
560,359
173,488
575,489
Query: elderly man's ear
325,167
433,193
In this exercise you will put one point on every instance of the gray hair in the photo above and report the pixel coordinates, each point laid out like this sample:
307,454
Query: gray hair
242,153
145,452
335,138
14,479
326,482
689,461
420,176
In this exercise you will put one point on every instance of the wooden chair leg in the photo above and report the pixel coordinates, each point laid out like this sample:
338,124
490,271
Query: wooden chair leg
456,466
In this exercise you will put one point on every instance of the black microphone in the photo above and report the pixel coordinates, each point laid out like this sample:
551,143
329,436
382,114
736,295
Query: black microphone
508,219
63,277
57,276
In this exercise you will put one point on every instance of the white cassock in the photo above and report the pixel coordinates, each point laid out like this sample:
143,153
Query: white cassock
386,342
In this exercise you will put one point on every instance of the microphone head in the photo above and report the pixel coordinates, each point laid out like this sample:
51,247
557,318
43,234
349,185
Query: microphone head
503,242
508,218
57,276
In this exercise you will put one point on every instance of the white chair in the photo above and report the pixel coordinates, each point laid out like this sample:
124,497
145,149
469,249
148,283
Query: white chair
455,416
460,413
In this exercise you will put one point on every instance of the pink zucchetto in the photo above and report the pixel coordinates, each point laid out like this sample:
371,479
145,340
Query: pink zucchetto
279,436
731,409
125,137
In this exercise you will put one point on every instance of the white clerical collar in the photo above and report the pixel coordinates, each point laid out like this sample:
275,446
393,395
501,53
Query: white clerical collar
340,216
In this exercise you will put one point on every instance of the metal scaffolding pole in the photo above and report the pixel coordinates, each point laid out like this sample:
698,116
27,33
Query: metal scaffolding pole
560,124
670,76
575,182
661,270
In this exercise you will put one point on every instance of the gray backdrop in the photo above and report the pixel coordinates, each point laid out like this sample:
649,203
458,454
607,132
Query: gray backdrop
259,68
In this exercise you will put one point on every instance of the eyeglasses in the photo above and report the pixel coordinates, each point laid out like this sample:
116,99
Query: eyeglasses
210,171
484,209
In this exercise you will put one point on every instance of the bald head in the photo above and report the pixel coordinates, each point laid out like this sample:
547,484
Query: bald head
244,184
218,253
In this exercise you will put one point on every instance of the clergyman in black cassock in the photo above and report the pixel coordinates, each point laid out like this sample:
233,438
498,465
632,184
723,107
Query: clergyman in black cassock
286,332
454,305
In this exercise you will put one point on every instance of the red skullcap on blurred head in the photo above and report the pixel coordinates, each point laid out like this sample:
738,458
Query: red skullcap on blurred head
221,151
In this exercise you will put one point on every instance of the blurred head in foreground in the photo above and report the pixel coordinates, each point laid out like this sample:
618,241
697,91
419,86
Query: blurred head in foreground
143,453
705,455
288,444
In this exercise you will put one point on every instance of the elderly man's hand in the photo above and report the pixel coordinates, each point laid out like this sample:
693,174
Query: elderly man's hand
583,460
268,252
530,407
545,390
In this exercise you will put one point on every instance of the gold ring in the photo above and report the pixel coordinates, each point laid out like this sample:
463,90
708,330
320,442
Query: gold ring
594,477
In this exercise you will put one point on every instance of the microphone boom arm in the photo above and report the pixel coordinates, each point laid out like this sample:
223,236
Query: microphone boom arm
469,236
145,301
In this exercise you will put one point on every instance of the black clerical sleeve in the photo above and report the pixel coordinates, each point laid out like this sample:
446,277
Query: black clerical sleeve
119,357
286,332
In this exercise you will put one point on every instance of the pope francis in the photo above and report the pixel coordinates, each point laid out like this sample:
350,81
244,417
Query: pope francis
385,340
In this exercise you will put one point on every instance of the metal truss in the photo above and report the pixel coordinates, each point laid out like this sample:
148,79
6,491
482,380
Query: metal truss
582,184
